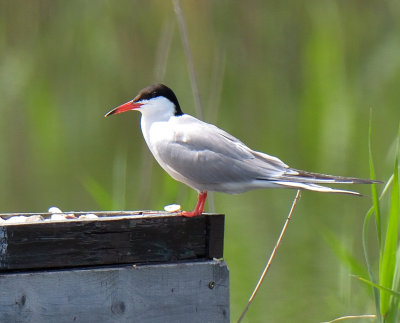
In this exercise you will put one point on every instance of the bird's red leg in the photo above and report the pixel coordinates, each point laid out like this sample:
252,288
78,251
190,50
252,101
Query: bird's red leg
198,210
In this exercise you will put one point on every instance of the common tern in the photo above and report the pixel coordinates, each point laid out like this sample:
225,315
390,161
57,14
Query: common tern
207,158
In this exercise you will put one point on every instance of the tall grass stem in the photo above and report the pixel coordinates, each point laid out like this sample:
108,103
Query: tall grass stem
278,242
189,58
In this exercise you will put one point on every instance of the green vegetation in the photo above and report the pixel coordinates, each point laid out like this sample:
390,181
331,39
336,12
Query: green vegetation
295,79
386,294
381,270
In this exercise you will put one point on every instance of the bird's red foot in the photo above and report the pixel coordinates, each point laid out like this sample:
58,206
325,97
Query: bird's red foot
190,214
199,207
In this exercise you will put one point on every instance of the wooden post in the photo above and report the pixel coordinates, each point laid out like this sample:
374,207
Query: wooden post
122,267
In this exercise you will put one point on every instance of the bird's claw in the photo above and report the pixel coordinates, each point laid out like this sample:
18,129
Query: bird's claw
190,214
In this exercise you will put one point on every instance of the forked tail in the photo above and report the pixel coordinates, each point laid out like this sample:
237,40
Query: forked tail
309,181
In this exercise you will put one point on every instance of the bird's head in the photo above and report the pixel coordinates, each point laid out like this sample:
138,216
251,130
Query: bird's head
156,98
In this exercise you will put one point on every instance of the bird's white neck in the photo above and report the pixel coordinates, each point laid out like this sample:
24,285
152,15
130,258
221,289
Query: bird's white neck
157,110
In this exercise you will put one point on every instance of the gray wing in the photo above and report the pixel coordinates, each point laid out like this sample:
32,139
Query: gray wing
206,154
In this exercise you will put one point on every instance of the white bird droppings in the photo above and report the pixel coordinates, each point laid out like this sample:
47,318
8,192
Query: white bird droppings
34,218
16,219
53,214
57,217
90,216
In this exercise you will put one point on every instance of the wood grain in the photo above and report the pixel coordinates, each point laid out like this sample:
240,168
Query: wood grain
128,238
179,292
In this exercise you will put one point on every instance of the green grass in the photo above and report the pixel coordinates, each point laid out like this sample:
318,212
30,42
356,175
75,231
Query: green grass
385,280
386,301
388,262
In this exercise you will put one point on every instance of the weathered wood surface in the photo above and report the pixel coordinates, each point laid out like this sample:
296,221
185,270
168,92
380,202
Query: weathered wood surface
127,238
180,292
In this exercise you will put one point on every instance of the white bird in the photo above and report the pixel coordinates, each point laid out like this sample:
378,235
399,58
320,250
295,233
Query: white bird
207,158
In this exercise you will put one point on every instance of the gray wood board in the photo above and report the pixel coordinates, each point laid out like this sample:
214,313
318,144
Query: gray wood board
107,240
181,292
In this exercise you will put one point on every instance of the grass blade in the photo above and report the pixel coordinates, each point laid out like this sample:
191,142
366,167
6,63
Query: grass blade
189,57
374,209
373,186
388,290
388,262
98,193
344,255
368,263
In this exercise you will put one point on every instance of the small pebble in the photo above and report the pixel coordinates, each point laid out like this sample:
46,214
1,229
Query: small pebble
172,208
69,216
54,209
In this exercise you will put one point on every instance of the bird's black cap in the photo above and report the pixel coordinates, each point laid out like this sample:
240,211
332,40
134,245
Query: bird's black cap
156,90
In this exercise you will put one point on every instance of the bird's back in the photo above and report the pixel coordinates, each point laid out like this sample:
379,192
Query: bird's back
207,158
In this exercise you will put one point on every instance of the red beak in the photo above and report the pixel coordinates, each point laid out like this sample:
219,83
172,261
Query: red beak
130,105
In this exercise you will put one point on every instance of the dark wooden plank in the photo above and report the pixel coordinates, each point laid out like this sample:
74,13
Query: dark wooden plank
137,238
216,225
180,292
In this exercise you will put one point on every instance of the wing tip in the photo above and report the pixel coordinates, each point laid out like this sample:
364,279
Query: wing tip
325,178
315,188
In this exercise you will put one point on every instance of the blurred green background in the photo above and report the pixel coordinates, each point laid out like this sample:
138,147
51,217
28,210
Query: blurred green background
295,79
